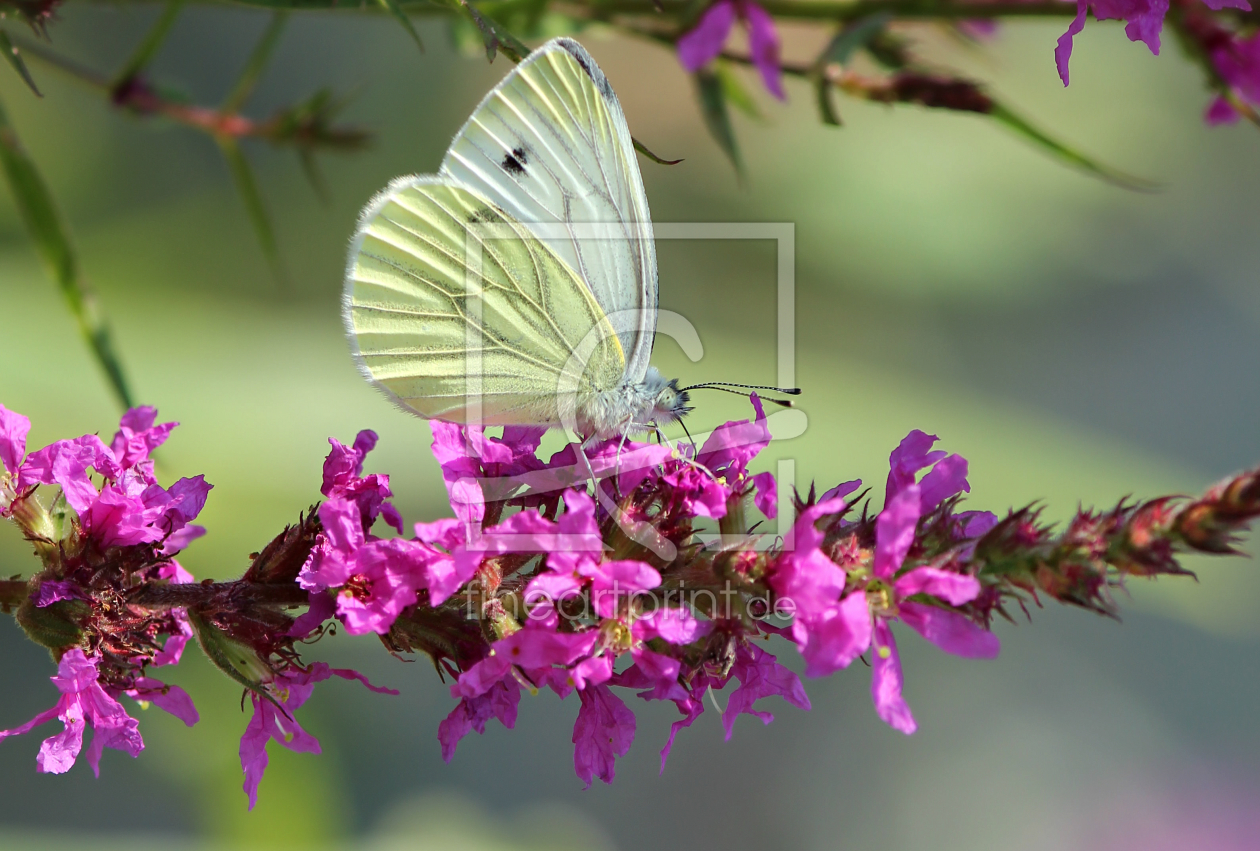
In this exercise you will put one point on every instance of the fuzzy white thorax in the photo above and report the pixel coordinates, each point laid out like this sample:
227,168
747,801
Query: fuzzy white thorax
633,406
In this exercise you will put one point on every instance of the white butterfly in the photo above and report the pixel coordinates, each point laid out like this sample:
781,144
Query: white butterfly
518,285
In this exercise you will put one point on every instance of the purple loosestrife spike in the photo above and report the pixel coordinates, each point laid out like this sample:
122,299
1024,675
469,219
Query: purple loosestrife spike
532,585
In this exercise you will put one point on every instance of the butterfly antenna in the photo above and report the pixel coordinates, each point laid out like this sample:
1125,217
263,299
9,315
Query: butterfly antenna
687,432
728,387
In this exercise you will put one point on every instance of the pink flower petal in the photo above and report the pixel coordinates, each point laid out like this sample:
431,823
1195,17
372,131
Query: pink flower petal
910,456
951,631
1220,111
1063,48
701,45
841,490
886,682
614,581
833,640
13,431
760,675
763,41
66,463
953,588
170,698
766,499
894,531
604,731
946,478
472,714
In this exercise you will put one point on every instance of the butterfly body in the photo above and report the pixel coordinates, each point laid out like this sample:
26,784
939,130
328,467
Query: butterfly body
518,285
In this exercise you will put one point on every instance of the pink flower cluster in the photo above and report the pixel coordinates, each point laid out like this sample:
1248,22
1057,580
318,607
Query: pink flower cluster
591,622
129,510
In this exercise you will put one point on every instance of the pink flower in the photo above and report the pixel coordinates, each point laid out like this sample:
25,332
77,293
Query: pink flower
704,43
1237,60
832,630
172,699
137,437
131,507
388,575
1144,22
889,598
759,675
604,731
827,631
13,430
291,689
83,703
66,463
720,469
374,579
472,713
124,514
535,650
344,479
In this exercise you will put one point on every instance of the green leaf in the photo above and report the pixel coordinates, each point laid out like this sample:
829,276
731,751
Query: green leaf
314,176
243,177
148,48
495,37
851,37
1069,155
48,231
826,108
717,117
256,65
14,58
735,93
643,149
394,9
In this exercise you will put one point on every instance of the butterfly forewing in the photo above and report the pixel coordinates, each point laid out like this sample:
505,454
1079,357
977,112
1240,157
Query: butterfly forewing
550,146
460,314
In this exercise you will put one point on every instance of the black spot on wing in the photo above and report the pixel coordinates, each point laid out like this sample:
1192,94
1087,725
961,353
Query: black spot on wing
481,216
514,162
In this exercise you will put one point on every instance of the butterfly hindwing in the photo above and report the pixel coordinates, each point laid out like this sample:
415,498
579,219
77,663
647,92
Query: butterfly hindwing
449,299
550,146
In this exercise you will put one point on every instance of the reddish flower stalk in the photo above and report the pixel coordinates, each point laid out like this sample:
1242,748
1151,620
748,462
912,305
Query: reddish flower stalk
538,583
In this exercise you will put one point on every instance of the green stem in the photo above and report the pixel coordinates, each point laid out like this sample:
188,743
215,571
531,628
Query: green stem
148,48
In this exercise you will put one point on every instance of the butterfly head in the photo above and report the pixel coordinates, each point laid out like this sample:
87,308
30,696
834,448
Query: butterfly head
670,403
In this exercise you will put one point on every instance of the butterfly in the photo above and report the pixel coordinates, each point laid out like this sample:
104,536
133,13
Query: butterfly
518,285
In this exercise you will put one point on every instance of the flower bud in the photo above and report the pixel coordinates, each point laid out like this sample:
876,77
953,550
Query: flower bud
57,627
234,658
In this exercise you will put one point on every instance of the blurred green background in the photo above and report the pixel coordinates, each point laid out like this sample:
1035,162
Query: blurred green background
1075,341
